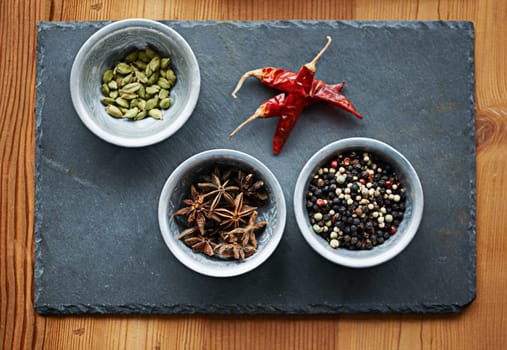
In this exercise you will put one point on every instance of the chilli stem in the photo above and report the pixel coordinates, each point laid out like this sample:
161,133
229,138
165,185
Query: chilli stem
312,65
255,73
259,113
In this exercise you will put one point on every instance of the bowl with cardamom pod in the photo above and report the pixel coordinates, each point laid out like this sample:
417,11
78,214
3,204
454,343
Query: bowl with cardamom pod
222,213
135,82
358,202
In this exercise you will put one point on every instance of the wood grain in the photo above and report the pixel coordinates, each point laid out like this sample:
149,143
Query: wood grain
481,326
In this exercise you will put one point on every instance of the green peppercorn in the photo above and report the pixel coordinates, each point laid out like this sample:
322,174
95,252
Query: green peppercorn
317,228
340,179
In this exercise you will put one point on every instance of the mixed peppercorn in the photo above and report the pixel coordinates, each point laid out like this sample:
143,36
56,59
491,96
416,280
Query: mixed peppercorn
355,201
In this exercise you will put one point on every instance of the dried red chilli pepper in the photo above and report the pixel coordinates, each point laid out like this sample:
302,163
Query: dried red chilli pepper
290,105
272,107
283,80
300,89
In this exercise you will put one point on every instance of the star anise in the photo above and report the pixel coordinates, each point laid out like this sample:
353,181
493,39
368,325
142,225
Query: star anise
253,190
188,232
233,218
234,250
248,232
219,189
221,213
200,244
196,209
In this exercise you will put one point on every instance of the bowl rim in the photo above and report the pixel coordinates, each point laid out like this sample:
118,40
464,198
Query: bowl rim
164,133
184,255
315,241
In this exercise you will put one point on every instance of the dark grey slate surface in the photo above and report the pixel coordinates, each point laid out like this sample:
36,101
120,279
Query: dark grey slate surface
98,248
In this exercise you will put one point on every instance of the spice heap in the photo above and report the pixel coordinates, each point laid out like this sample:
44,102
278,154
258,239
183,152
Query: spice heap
138,86
298,91
355,201
221,215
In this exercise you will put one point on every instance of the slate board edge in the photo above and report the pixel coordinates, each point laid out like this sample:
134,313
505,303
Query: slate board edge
39,102
467,25
320,309
472,279
49,309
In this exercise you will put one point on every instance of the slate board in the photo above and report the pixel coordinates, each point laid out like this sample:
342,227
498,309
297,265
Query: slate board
98,248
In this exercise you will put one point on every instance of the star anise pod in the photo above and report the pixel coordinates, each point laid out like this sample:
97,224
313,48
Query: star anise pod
247,233
225,250
228,236
234,250
253,190
188,232
200,244
233,218
196,209
219,189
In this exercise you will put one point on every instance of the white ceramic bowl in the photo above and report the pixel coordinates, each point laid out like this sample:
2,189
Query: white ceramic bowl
408,226
176,189
112,43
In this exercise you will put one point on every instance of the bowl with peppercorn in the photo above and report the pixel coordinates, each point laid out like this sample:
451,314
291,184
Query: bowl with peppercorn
135,82
358,202
222,213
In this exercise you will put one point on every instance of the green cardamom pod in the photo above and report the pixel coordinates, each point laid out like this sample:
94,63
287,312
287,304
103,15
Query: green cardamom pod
124,68
141,77
164,62
108,76
140,64
107,101
148,72
122,102
141,104
155,63
131,57
171,77
128,96
141,115
105,89
142,92
163,83
114,111
130,88
143,57
151,103
138,86
165,103
112,85
126,79
153,78
153,89
150,52
155,113
164,93
131,113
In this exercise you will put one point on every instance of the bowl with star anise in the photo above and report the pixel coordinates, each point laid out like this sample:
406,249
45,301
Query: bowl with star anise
222,213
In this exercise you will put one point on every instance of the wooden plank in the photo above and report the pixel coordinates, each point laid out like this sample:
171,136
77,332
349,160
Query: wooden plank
482,325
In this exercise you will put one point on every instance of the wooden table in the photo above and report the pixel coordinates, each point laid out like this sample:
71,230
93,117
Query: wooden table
482,325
